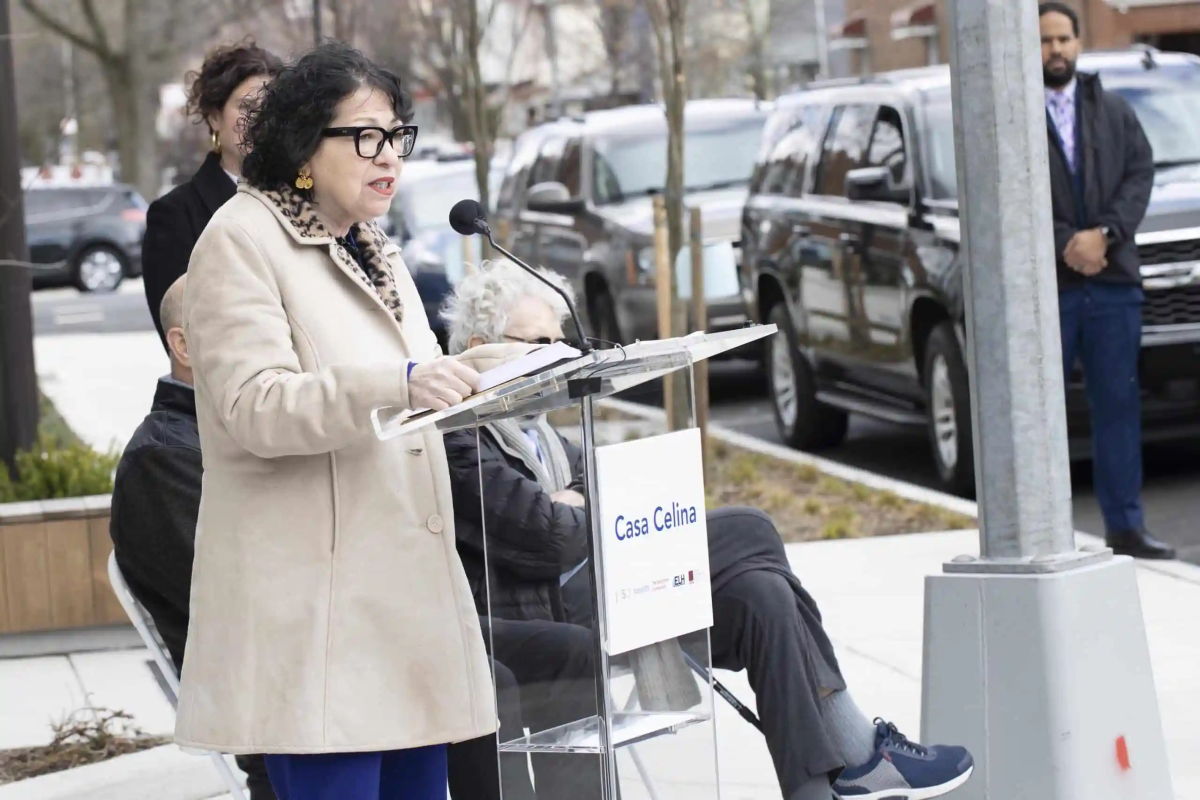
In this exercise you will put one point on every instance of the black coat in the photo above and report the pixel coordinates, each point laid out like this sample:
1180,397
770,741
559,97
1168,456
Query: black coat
173,224
155,502
531,539
1118,174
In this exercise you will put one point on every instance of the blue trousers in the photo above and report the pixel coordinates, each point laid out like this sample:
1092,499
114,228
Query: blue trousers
417,774
1102,327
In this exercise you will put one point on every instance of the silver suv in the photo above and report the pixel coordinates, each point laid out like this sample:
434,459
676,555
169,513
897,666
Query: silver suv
577,199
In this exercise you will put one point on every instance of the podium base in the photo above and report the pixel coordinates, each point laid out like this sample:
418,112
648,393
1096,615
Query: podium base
1046,679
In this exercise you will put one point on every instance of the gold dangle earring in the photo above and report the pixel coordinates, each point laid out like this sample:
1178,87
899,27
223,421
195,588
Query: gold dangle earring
304,180
216,141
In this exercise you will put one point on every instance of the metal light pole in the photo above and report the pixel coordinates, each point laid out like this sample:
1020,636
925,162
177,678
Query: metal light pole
18,381
1035,653
316,12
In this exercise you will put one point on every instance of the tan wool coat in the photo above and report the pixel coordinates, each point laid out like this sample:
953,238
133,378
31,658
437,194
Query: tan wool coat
329,609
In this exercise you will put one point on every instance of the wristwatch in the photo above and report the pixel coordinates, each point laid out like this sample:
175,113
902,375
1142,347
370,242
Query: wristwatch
1110,236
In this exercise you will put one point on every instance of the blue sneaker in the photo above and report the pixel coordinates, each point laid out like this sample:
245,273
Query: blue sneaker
904,770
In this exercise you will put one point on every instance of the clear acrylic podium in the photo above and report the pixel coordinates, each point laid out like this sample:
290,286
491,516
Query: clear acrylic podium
632,725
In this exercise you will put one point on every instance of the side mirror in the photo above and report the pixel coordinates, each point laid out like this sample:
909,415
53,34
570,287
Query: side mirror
553,198
874,183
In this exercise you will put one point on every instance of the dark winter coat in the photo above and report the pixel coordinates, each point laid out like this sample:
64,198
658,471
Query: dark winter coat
155,501
173,224
531,540
1117,166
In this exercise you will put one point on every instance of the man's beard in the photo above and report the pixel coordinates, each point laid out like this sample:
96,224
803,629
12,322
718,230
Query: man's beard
1057,80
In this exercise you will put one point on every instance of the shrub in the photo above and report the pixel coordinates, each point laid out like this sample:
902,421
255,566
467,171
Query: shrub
54,468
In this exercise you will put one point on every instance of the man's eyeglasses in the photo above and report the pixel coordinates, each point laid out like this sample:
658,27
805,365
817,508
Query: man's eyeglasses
538,340
369,140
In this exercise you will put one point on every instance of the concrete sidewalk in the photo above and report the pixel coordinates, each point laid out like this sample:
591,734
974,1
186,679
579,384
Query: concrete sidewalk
869,590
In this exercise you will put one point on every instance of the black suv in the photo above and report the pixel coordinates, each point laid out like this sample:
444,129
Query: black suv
87,236
851,246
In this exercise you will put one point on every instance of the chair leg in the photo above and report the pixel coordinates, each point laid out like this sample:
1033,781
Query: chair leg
236,792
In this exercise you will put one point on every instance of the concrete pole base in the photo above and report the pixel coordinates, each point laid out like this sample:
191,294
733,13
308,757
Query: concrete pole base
1046,679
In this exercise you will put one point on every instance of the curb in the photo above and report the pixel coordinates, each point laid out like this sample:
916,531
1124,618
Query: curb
161,773
1180,570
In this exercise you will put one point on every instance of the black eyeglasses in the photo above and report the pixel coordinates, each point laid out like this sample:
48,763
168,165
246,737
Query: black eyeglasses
369,140
538,340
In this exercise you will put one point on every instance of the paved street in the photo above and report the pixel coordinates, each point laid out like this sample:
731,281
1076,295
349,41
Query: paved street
1172,480
69,311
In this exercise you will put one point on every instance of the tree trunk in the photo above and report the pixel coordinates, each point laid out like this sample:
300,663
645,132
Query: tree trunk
675,96
478,119
136,134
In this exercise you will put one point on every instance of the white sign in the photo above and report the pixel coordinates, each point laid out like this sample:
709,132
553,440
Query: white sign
654,540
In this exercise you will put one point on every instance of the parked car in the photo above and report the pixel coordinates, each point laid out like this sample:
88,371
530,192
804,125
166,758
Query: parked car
87,236
577,199
419,221
851,246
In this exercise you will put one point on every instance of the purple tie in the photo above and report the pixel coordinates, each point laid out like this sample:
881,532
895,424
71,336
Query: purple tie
1066,129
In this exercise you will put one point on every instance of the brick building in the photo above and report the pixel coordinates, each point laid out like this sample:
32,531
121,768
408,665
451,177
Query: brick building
879,35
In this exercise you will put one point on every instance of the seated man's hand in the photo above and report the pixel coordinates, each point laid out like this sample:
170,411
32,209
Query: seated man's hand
568,496
441,383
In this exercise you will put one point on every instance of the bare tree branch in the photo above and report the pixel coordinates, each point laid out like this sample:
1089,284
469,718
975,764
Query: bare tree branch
62,29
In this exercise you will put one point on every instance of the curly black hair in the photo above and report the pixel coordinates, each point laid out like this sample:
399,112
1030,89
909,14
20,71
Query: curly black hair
285,130
224,69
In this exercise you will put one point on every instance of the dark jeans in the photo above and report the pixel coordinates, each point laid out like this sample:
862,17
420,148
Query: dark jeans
544,679
1102,327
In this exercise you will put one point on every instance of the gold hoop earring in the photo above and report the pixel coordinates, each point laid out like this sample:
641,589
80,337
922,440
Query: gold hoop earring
216,141
304,180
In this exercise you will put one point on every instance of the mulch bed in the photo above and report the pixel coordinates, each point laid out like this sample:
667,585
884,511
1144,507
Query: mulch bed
808,505
87,736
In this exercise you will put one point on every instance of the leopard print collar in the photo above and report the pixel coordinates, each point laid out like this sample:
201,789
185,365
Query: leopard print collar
298,216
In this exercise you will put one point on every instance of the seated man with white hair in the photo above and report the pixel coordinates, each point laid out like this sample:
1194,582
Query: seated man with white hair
764,620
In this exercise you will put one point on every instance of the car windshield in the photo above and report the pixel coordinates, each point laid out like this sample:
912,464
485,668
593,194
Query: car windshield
715,157
1166,100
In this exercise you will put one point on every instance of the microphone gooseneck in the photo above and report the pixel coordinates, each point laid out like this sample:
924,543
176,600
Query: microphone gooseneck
467,219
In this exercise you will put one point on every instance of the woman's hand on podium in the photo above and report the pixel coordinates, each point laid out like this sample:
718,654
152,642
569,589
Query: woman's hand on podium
568,496
441,383
483,357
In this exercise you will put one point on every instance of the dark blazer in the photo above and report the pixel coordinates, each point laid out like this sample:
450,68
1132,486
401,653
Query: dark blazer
173,224
155,502
1117,166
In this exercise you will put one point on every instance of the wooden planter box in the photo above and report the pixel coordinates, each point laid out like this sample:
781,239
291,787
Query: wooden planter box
54,566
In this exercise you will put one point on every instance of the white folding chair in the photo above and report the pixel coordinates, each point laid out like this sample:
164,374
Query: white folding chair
145,628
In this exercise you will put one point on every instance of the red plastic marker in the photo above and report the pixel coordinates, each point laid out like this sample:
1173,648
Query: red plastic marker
1123,754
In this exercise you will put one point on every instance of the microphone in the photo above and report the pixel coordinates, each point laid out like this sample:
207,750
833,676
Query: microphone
467,219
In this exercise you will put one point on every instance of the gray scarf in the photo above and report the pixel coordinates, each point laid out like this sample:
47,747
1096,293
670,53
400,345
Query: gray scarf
553,469
664,681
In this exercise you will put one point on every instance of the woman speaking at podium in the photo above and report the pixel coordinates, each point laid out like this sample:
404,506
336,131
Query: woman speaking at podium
332,626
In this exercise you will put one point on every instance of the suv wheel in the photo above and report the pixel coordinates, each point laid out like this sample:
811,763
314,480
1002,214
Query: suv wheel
803,422
98,268
949,400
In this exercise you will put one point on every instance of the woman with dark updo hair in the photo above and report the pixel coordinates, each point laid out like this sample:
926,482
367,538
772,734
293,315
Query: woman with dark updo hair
332,626
219,95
